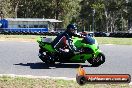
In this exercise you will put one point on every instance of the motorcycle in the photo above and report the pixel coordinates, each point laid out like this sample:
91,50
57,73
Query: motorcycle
88,51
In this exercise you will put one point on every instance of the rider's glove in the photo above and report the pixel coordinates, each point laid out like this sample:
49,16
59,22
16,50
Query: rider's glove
63,50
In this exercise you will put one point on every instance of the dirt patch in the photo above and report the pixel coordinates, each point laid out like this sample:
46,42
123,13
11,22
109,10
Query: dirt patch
17,39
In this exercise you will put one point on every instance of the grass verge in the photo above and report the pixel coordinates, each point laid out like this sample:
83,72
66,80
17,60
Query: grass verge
22,82
110,40
101,40
31,38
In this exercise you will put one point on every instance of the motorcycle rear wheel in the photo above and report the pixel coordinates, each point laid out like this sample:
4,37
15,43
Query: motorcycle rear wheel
46,57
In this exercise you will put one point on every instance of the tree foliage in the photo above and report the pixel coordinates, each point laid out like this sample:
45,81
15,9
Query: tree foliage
100,15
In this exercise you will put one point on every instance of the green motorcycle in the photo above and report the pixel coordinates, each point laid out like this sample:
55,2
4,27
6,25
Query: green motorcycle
88,47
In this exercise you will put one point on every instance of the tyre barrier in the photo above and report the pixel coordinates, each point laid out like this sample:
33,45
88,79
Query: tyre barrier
29,33
96,34
121,35
116,35
100,34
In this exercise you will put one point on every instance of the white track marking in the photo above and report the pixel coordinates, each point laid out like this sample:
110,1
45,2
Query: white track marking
130,83
44,77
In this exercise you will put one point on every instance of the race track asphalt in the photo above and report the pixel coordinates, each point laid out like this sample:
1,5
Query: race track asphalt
21,58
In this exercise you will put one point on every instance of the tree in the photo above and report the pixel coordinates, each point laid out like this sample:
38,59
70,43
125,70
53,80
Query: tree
7,8
86,13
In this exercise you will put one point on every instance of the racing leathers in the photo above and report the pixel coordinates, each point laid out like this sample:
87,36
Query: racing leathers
64,41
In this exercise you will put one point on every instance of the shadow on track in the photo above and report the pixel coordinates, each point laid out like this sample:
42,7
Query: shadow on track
40,65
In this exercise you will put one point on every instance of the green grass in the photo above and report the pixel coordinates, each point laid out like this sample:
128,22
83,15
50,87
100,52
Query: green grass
21,82
21,36
101,40
110,40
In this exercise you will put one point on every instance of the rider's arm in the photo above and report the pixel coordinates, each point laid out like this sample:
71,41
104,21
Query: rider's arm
64,41
59,42
70,44
79,35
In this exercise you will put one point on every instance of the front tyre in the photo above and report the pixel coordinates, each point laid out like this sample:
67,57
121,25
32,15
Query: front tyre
100,59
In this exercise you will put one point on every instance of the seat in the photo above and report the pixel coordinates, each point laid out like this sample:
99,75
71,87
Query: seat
47,40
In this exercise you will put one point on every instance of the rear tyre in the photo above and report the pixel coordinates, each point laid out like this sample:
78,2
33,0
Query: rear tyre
100,59
46,57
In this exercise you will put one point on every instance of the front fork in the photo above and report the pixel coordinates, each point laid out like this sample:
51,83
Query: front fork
97,53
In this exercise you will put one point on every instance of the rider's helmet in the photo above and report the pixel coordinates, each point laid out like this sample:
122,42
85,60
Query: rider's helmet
71,29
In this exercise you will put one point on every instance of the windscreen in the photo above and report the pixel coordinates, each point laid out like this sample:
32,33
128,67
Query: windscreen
89,40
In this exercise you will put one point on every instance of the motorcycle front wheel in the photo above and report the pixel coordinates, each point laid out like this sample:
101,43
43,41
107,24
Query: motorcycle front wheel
100,59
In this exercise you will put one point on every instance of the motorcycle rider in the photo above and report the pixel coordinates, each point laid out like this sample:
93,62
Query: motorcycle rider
63,42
